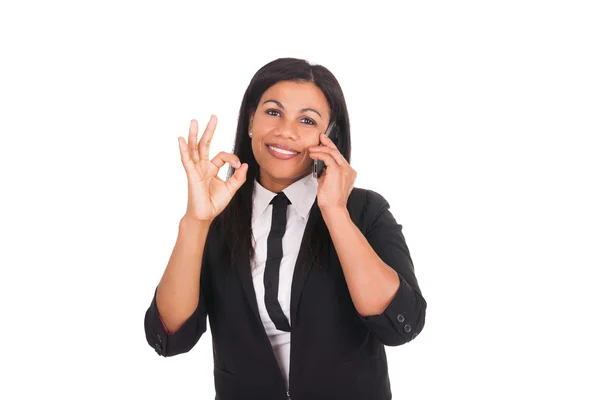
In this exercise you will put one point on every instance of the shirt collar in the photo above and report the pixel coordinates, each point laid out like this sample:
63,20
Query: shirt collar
301,194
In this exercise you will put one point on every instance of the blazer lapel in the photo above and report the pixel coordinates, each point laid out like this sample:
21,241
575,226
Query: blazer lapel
245,274
301,272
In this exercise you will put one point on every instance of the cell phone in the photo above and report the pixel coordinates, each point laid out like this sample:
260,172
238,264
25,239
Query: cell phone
319,165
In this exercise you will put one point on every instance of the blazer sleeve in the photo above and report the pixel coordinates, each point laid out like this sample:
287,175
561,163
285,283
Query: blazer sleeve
168,344
404,318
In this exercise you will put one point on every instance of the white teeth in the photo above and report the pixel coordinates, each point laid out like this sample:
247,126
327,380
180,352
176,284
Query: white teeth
281,150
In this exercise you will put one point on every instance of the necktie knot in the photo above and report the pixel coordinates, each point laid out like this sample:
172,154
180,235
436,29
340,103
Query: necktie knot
280,200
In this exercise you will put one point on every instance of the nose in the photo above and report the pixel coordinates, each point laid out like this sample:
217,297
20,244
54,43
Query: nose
287,129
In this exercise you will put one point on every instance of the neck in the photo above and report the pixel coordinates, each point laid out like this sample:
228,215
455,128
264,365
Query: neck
277,185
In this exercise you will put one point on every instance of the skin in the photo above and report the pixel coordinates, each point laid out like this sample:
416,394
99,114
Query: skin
287,121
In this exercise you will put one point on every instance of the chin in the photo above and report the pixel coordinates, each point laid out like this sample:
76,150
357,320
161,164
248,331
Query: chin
281,173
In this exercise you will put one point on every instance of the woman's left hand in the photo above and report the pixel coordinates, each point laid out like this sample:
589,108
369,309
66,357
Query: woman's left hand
337,180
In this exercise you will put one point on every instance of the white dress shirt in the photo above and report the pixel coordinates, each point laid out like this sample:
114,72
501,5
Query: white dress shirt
302,195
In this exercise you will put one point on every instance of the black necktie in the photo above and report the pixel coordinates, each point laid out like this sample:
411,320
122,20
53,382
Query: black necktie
274,255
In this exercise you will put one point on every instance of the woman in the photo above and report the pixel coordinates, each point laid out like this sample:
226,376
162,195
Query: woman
305,308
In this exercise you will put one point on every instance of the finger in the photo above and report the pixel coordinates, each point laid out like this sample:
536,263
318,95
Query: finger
329,161
185,154
223,157
337,156
204,145
192,140
237,180
327,141
321,178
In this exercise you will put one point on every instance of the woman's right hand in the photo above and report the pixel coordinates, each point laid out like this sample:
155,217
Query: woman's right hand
208,195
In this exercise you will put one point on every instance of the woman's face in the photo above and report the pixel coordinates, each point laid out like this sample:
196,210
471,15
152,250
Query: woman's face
289,116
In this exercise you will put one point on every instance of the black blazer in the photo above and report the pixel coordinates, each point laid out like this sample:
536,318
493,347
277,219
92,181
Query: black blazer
335,353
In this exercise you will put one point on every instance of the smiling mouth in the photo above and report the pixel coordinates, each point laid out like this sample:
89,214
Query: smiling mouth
280,153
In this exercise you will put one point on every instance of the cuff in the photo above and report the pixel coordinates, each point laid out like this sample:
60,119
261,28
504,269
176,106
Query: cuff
167,343
402,320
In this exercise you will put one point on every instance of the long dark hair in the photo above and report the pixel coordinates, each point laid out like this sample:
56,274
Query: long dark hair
237,216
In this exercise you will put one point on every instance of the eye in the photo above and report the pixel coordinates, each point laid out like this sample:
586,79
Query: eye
273,112
276,113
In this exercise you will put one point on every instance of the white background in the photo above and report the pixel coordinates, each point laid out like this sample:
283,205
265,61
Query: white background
477,120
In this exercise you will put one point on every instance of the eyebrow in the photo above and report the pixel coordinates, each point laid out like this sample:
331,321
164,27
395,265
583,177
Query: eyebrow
283,108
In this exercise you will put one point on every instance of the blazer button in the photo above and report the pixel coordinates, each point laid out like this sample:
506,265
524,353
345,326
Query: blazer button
158,348
159,338
400,318
414,335
407,328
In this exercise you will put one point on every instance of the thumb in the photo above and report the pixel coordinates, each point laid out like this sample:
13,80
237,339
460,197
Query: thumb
238,178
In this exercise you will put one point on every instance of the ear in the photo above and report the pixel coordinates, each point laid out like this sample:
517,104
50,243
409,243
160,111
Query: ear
250,123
